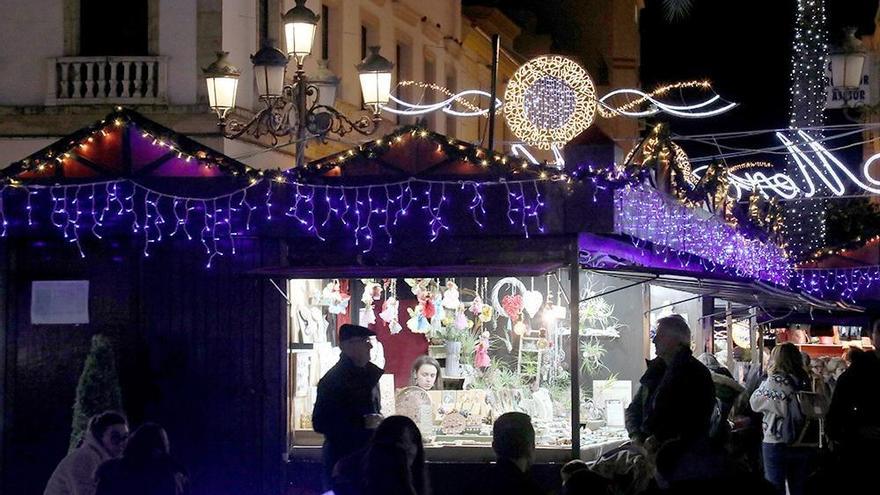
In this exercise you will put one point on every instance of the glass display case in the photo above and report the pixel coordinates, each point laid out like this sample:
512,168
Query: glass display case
459,352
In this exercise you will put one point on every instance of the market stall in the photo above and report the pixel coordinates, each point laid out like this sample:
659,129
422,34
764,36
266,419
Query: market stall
241,278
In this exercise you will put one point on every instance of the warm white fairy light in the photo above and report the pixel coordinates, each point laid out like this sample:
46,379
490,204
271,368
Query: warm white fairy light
692,111
444,90
549,100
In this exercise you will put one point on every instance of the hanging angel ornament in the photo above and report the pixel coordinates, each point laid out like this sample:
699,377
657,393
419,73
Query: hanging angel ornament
417,322
481,356
451,297
476,306
372,292
461,322
389,309
335,298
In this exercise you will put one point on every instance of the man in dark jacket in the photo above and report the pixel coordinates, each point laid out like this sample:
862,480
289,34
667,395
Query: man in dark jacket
347,407
672,410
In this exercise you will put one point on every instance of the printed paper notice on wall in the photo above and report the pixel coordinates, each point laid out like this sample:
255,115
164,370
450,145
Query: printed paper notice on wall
59,302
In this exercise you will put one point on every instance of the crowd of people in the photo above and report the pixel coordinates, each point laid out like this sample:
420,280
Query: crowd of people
692,427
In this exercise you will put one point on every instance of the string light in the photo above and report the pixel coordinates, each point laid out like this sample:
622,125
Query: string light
845,252
805,220
643,213
815,166
549,100
692,111
446,105
845,283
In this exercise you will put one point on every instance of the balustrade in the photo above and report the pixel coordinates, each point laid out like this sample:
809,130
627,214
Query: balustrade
95,80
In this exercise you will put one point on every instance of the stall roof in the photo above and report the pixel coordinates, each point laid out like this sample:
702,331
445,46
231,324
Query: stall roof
123,145
738,290
481,270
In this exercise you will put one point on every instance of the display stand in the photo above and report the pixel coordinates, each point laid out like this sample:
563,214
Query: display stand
528,347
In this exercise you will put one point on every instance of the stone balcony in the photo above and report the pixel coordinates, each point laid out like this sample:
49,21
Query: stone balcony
132,80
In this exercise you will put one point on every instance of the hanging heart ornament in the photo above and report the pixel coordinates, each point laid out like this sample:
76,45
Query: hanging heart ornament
532,301
513,306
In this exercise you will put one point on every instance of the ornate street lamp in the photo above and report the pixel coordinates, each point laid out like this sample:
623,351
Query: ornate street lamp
300,24
327,83
375,75
295,109
222,79
848,61
269,66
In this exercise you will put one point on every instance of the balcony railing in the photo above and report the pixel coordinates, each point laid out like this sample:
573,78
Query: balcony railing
95,80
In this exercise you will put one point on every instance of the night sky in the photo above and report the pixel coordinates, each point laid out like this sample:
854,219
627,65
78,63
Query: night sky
742,46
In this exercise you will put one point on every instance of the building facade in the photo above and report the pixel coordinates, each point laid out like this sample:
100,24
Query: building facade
148,55
67,64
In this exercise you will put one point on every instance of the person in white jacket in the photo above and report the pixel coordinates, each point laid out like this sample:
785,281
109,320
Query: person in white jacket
776,399
103,440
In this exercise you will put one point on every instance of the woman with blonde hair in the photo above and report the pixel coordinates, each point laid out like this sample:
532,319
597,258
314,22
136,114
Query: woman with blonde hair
777,400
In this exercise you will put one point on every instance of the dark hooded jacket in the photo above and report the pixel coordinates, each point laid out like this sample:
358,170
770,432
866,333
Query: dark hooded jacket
854,415
674,401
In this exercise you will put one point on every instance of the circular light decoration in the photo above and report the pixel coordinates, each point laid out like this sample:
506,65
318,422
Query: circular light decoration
549,100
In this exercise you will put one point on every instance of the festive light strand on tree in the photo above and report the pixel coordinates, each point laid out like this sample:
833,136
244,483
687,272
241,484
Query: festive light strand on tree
805,220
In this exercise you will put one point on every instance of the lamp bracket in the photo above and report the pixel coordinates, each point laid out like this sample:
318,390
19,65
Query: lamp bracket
279,117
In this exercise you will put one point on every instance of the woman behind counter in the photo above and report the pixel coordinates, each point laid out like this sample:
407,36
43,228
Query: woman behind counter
425,374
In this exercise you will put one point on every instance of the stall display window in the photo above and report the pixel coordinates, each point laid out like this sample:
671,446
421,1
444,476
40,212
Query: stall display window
457,353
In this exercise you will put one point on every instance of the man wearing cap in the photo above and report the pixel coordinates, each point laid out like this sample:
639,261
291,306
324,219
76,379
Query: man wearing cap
347,407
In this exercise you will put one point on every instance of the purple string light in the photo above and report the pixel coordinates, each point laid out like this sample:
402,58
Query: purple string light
377,210
645,213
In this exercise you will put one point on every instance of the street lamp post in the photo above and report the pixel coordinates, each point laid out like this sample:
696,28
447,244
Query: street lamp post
847,62
314,114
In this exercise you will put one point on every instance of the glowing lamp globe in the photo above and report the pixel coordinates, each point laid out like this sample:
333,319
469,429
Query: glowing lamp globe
375,75
327,82
222,79
848,62
300,24
269,65
519,328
